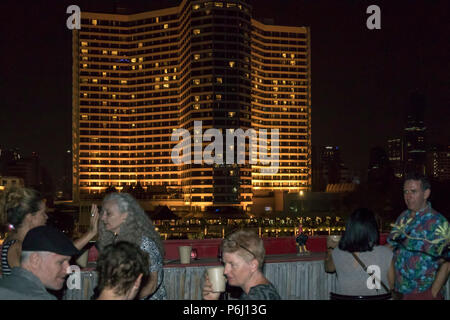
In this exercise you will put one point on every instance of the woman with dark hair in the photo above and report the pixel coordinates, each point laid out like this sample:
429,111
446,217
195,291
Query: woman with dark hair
361,238
123,219
24,209
121,268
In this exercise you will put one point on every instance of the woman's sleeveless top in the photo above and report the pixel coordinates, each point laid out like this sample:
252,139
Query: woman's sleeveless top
6,269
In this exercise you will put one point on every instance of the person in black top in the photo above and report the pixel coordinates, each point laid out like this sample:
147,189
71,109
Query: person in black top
243,257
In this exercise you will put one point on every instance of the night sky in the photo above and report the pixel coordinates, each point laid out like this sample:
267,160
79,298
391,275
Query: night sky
361,79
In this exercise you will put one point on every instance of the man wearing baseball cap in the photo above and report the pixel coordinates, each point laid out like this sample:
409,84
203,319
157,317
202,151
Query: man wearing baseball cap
46,253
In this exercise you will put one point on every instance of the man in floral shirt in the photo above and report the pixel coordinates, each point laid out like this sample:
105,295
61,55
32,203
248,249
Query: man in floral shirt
418,239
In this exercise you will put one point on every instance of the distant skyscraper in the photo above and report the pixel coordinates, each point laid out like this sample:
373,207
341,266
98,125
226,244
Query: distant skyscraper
395,156
7,156
379,171
414,135
330,158
65,181
438,163
317,179
139,77
328,168
31,171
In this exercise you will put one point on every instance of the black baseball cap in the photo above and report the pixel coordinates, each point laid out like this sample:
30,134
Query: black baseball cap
46,238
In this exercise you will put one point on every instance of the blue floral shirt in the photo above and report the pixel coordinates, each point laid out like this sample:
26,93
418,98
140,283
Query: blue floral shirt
416,261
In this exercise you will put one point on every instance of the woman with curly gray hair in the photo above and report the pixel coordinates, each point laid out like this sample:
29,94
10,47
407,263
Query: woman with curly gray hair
123,219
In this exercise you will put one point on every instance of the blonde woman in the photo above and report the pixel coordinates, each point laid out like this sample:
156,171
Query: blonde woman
243,257
25,209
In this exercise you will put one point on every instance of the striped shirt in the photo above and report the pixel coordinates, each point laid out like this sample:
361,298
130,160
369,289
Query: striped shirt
6,268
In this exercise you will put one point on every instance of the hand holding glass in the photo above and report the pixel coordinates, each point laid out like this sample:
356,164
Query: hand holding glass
333,241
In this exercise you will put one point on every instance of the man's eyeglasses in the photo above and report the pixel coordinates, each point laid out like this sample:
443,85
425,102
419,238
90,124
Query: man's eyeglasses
234,243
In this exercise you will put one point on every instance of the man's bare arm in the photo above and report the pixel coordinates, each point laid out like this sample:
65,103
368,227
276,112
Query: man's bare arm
329,264
441,278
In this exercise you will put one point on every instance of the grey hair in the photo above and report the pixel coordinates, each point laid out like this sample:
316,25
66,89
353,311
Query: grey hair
136,225
25,255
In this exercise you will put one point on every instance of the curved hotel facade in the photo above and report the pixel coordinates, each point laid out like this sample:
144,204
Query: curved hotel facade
137,78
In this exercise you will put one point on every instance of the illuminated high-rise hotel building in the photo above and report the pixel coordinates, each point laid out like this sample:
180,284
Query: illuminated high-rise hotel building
139,77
